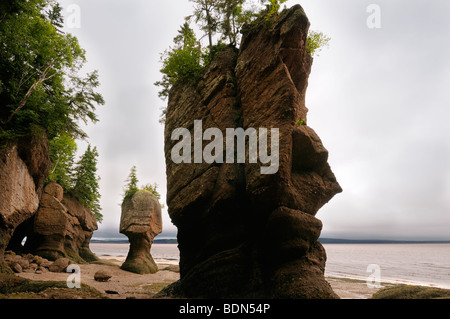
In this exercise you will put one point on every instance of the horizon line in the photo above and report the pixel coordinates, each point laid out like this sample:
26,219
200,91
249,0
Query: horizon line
323,240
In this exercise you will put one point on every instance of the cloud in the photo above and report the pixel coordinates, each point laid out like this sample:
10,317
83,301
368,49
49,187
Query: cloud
378,100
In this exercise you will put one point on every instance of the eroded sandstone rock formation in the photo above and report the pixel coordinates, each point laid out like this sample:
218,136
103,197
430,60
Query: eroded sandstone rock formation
140,221
242,234
82,226
24,167
55,224
62,227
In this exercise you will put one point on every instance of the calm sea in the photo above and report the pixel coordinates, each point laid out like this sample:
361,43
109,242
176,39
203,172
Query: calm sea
424,264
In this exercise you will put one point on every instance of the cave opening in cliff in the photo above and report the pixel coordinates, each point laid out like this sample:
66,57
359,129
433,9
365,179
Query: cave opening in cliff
19,240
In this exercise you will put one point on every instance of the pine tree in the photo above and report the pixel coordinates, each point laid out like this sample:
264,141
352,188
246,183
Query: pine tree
131,188
182,62
232,17
86,187
62,156
205,13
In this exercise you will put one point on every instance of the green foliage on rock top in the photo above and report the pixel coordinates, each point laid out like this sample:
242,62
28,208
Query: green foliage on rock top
85,182
223,21
182,62
132,188
152,188
315,42
78,179
62,156
272,8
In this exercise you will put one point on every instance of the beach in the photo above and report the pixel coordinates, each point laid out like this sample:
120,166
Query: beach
123,284
126,285
347,269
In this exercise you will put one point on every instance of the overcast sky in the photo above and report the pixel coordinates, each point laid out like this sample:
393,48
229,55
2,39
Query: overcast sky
378,97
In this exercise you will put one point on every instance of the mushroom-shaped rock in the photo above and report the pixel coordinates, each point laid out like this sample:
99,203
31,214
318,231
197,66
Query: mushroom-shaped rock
140,222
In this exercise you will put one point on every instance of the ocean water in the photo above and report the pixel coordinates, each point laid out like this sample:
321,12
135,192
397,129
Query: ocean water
158,251
422,264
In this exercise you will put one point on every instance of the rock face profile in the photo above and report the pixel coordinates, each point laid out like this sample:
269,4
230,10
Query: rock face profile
140,221
243,234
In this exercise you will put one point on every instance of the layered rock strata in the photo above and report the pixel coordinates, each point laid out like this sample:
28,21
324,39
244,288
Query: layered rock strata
243,234
24,166
62,227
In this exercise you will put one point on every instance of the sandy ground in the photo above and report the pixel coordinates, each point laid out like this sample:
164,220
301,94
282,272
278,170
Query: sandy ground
124,284
352,288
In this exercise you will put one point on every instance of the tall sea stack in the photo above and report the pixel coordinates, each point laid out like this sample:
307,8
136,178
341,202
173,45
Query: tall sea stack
243,234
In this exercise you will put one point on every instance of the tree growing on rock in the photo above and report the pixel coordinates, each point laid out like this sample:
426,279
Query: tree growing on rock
206,15
273,7
182,62
132,188
86,187
223,20
316,41
62,156
232,18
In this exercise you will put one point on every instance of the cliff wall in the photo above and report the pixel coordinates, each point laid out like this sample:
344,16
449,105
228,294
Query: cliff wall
24,167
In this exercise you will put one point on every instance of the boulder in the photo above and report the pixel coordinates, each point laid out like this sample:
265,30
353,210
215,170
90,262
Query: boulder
102,276
16,268
45,263
55,190
140,221
42,269
243,234
59,265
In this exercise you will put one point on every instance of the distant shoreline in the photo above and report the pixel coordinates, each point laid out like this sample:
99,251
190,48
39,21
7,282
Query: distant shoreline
321,240
379,241
125,241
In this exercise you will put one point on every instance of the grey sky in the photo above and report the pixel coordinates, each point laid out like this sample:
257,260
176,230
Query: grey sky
378,98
